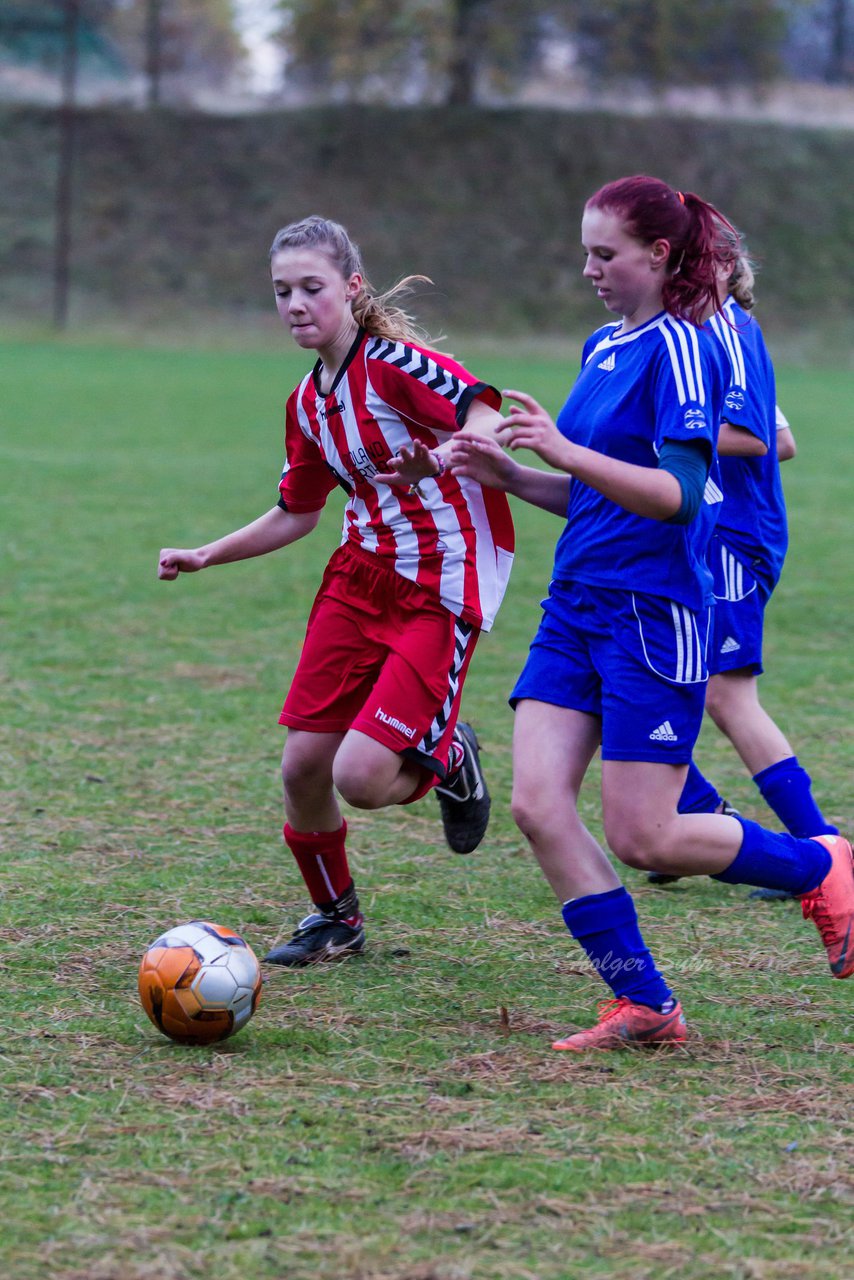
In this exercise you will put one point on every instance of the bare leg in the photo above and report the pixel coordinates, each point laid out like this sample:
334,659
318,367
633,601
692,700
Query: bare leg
732,700
552,749
371,776
310,802
645,830
315,833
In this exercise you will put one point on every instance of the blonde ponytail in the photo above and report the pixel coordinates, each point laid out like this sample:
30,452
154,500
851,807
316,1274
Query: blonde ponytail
730,249
381,318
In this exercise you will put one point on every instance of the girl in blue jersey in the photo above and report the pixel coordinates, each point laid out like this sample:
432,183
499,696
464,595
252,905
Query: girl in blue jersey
619,661
746,557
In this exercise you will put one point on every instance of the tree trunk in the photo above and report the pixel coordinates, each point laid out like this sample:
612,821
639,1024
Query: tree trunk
462,69
153,50
837,71
65,169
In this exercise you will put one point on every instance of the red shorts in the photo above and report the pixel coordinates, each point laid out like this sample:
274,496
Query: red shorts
383,656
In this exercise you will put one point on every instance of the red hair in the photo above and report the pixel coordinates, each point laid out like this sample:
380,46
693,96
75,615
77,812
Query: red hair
653,210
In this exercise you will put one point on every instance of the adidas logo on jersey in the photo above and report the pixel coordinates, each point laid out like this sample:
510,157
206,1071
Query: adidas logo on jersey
664,733
608,363
730,645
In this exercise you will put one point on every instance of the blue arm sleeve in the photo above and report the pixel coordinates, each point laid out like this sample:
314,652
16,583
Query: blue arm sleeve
689,462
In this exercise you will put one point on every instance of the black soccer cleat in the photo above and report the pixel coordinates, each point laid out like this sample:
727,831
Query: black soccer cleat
661,877
318,938
463,798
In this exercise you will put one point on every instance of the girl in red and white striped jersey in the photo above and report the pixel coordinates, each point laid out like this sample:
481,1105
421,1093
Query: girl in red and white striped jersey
372,711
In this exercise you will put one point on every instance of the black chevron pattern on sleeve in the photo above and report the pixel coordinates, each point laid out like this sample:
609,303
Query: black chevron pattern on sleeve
419,366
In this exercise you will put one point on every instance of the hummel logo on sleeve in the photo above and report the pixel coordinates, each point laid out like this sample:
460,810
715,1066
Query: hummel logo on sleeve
664,733
730,645
608,363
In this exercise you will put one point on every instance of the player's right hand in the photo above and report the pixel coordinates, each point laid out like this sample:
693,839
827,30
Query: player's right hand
174,561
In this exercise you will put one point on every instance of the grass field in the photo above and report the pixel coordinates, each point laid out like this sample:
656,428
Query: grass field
400,1116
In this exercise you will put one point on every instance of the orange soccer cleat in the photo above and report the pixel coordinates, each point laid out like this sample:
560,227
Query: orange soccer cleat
623,1024
830,906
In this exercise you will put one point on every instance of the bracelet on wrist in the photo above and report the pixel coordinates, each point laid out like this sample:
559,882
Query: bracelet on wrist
440,471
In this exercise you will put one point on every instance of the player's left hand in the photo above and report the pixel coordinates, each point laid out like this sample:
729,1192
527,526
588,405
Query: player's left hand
529,426
409,466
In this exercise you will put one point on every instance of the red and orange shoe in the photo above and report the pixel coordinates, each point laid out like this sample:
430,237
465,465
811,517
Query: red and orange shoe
830,906
623,1024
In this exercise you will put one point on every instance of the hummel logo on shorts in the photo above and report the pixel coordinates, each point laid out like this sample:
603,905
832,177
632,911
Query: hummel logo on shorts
608,363
730,645
664,733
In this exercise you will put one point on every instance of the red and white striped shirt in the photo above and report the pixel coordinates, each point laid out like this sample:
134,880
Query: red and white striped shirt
457,540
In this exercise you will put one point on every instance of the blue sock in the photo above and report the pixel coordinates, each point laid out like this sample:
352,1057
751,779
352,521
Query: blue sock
773,861
698,794
786,788
606,925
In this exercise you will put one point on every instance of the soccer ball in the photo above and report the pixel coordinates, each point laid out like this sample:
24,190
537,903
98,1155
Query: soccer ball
199,983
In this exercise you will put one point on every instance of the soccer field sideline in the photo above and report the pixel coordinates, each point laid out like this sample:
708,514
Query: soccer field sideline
398,1117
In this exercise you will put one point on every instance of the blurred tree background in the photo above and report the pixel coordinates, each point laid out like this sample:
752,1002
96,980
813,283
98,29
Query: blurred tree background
453,50
175,41
444,51
416,50
144,163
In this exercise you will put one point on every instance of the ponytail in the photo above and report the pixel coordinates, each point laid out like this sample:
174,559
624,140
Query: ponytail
731,252
378,315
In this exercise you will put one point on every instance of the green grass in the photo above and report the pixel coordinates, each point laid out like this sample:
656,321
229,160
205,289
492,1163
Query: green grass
399,1117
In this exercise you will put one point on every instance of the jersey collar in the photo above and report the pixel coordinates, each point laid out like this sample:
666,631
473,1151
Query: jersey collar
653,323
345,364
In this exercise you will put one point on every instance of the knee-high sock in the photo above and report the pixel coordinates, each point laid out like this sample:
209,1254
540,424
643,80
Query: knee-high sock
606,926
776,861
786,787
322,860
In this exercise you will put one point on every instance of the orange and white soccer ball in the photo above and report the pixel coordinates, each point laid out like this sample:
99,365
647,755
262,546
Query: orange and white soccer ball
199,983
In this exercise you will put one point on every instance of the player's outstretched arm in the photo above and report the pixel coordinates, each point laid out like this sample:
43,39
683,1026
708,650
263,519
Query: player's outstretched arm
645,491
417,463
271,531
411,465
484,460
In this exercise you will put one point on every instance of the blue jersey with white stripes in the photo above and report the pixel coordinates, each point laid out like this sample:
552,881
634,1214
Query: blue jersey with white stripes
752,521
662,381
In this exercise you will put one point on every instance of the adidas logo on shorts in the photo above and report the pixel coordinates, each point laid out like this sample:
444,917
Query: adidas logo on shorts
664,733
730,645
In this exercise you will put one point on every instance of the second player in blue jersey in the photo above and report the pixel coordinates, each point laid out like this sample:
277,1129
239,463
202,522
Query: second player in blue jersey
746,556
619,660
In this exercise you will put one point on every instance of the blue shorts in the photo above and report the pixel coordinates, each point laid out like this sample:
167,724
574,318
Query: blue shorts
739,613
636,661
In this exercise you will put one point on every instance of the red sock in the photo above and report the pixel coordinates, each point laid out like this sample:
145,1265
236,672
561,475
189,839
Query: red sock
322,860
